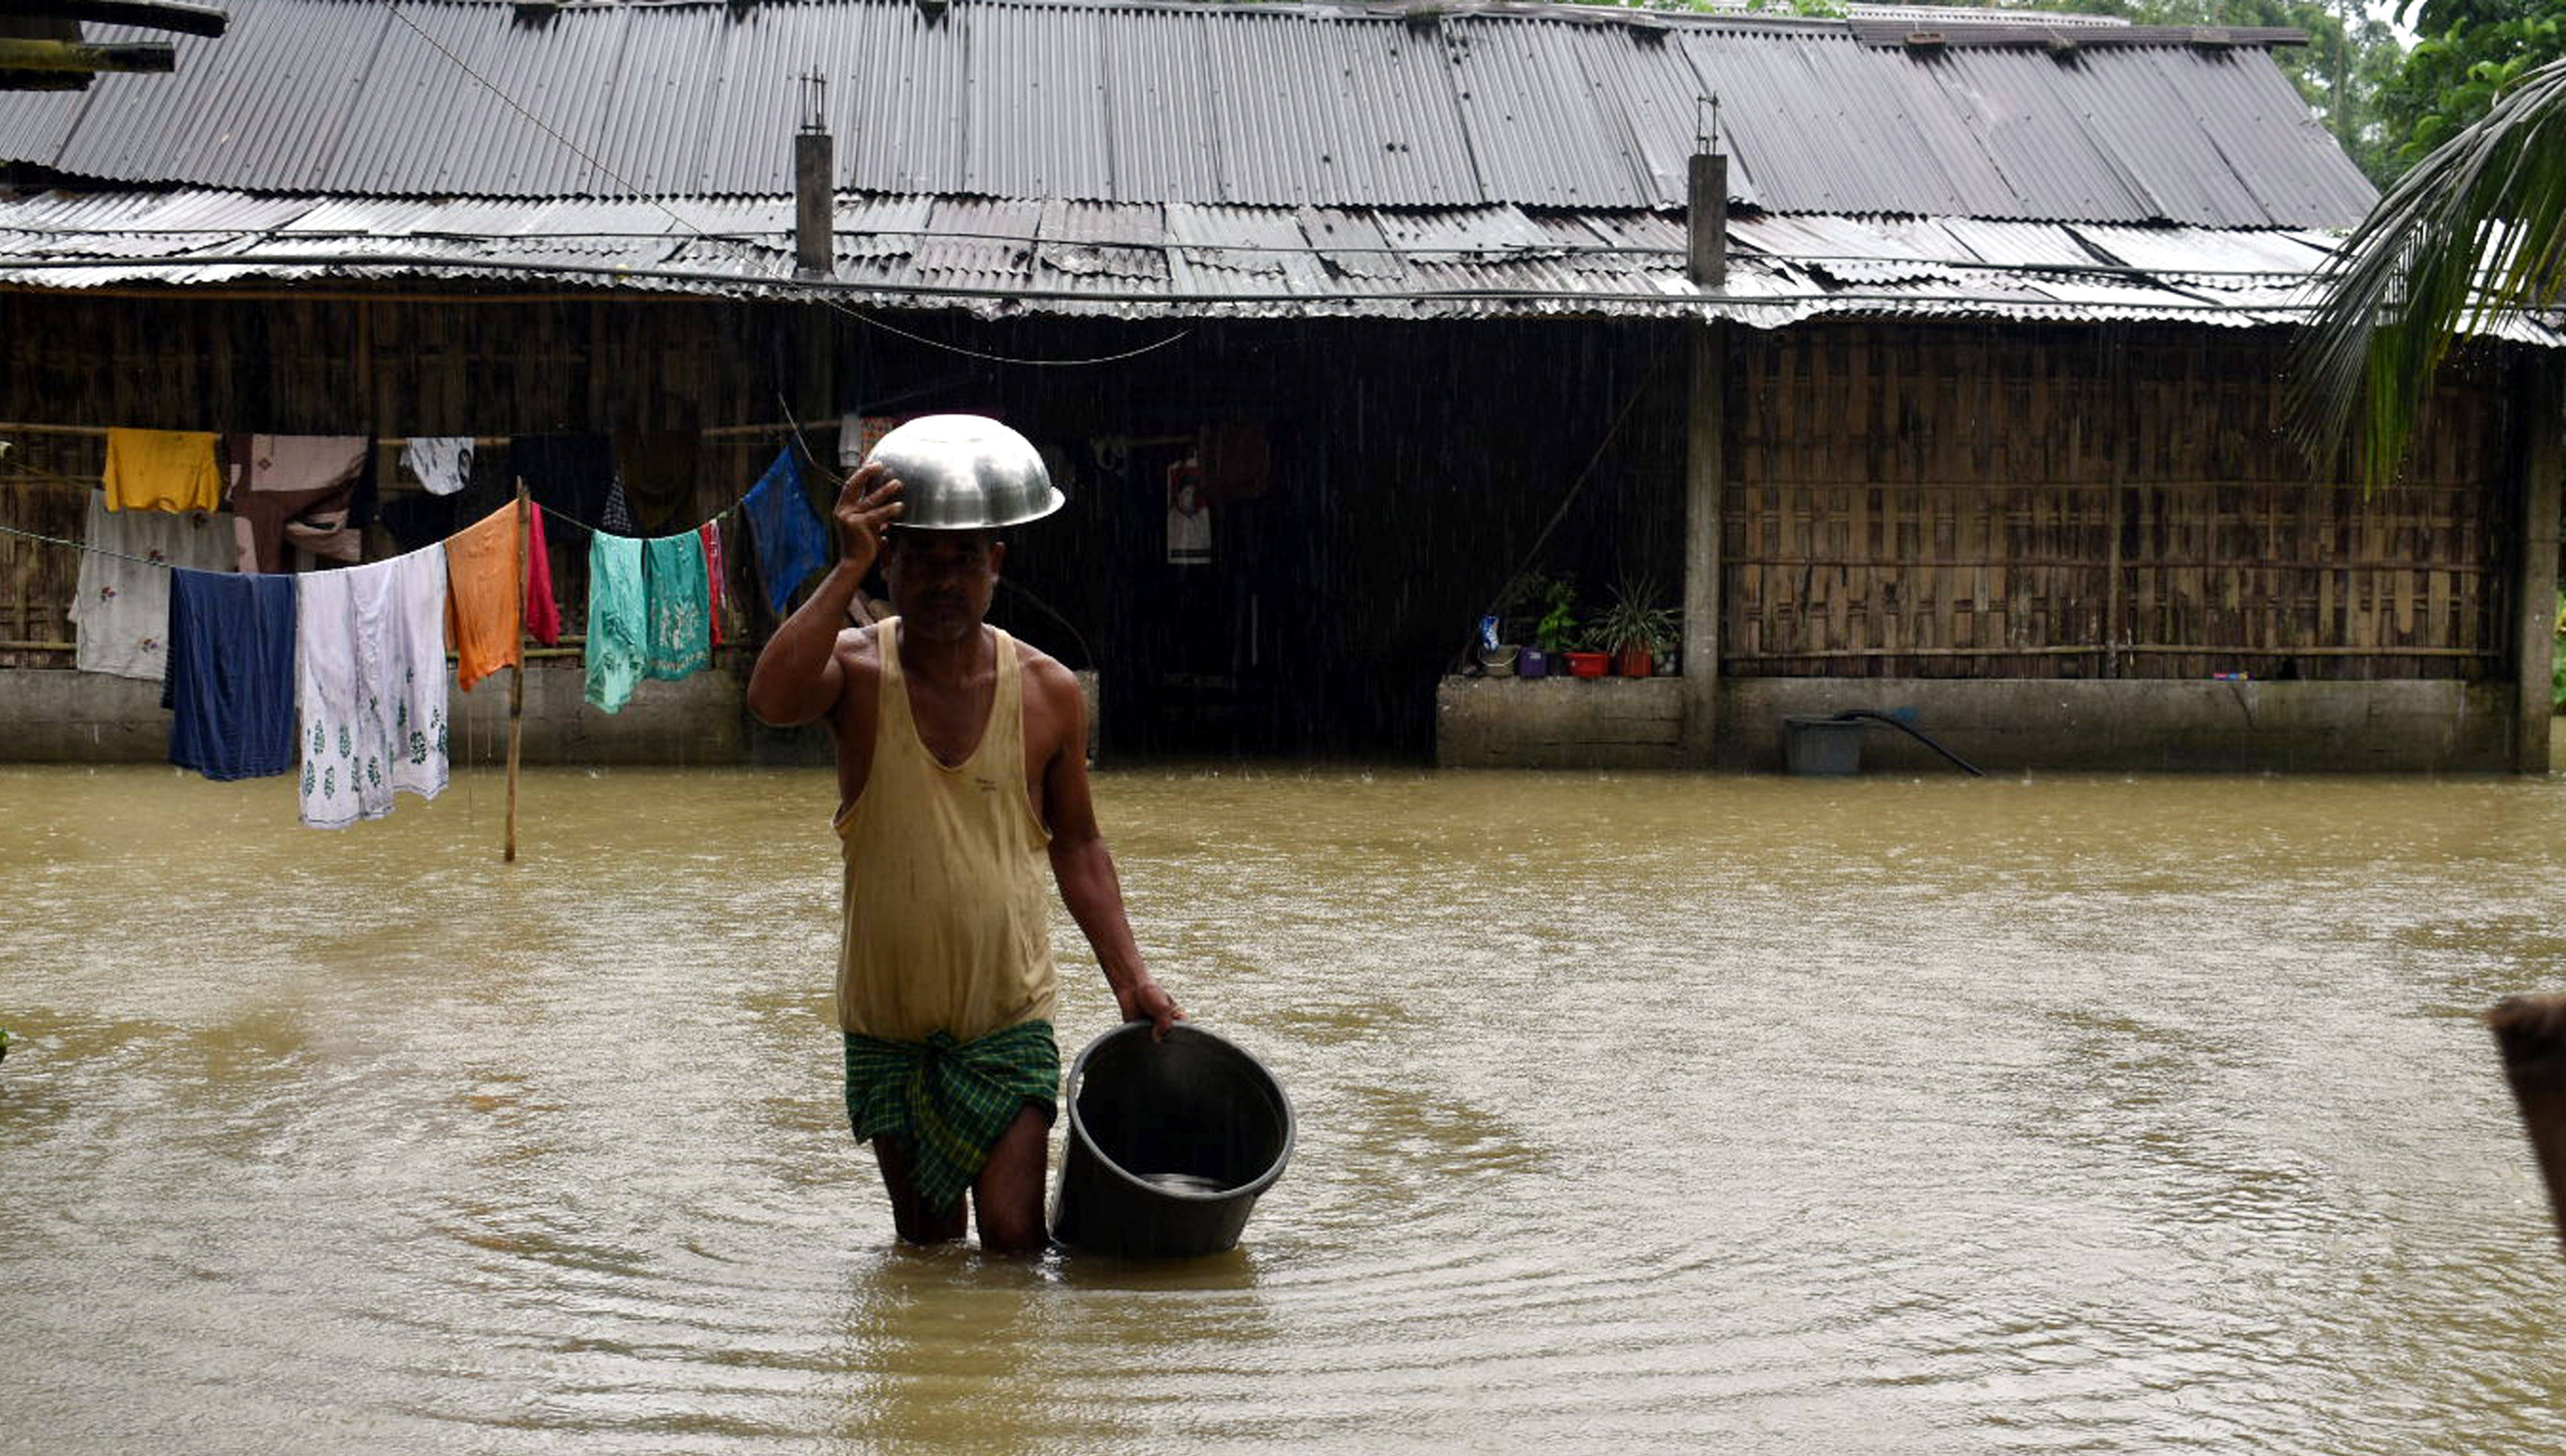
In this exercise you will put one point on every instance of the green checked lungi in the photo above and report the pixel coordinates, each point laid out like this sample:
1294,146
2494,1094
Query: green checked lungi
950,1099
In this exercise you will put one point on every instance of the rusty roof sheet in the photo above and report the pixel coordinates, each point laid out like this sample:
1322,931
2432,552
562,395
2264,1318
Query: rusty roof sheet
1130,102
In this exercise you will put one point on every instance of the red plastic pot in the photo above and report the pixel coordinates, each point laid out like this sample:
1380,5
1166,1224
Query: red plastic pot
1588,664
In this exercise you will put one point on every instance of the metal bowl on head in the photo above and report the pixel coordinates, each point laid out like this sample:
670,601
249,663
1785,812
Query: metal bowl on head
965,472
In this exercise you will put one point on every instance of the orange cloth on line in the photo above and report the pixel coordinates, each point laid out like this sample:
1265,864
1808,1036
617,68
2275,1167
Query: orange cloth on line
484,615
164,470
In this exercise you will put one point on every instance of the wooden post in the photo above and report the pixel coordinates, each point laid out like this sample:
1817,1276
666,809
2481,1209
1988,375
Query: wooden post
2531,1032
2542,460
2116,427
1705,436
1705,472
517,673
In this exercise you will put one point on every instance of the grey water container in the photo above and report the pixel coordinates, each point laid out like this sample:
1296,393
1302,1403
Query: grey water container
1813,745
1170,1143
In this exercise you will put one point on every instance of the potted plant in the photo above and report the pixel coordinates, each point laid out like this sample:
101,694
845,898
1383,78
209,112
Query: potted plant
1589,658
1632,626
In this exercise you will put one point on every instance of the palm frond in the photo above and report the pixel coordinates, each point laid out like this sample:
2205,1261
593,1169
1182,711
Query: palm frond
2473,238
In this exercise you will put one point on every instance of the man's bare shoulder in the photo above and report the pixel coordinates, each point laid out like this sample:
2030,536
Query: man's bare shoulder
860,651
858,657
1045,675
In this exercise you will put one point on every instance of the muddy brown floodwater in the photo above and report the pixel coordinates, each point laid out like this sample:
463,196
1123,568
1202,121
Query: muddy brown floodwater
1745,1114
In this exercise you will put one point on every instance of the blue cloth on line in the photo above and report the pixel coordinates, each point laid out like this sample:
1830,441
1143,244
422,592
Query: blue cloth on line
231,673
791,540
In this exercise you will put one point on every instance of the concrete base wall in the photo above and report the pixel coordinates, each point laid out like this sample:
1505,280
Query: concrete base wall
696,720
2189,726
49,715
61,716
1559,723
2012,724
56,715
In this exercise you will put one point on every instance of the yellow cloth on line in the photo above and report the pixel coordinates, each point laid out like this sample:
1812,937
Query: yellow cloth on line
948,886
163,470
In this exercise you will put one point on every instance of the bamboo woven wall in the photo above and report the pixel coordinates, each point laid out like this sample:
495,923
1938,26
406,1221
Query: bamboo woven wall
390,367
36,579
2007,502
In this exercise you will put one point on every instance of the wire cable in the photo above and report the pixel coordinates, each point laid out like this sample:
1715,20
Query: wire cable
85,546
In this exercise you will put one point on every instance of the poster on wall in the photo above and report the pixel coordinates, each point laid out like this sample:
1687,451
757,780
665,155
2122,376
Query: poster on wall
1189,515
859,434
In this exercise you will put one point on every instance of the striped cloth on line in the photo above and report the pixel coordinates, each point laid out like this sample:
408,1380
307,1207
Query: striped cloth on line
951,1100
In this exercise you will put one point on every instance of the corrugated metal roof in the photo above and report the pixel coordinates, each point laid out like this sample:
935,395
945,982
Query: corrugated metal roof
1956,29
1266,105
1164,141
974,244
1182,260
2220,260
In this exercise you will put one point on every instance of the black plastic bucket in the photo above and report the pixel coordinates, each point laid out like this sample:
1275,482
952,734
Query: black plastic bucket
1170,1143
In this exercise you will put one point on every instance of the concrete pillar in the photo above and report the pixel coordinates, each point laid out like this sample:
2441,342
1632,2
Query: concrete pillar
1705,429
2541,454
1707,220
1705,472
815,218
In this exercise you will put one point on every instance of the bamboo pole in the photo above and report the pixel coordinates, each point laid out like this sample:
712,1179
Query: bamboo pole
77,56
517,669
2530,1031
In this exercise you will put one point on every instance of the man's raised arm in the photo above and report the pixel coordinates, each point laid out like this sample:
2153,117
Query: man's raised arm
797,677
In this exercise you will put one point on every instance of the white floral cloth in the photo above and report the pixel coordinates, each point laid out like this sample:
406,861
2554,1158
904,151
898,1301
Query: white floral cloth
120,610
371,686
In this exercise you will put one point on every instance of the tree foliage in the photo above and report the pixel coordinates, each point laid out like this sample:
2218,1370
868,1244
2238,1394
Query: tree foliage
2475,237
2468,54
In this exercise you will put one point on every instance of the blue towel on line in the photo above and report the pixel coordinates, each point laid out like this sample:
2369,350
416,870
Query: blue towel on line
231,673
791,540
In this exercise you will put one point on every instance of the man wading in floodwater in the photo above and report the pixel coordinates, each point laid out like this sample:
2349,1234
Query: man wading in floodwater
961,761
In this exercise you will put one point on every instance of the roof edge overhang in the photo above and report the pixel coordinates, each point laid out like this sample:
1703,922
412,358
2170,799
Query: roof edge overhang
1138,261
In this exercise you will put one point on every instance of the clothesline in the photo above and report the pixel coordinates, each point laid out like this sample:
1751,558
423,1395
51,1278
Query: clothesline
566,518
97,550
725,514
344,668
718,432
